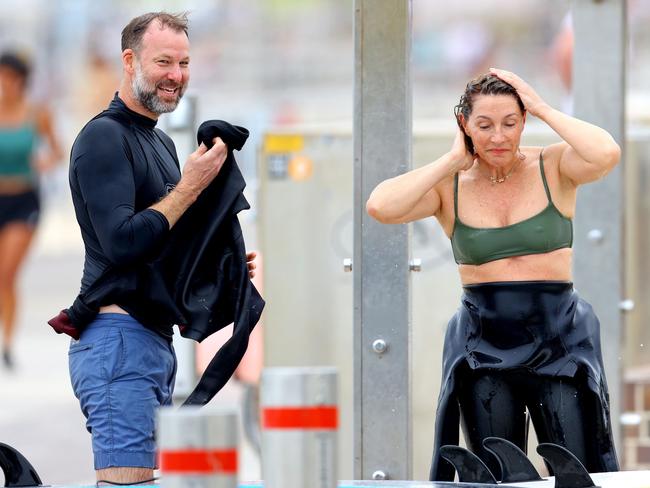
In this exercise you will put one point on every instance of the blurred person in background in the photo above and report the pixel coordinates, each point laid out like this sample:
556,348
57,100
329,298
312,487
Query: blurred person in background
560,55
97,87
28,146
522,338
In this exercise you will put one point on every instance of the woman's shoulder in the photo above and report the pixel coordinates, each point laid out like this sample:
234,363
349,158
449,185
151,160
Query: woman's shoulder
550,154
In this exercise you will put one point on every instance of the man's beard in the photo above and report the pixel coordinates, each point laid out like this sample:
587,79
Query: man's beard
145,92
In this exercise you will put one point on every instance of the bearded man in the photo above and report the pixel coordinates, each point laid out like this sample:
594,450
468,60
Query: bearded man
128,193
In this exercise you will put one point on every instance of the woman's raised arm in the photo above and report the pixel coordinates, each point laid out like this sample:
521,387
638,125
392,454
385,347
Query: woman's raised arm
588,152
413,195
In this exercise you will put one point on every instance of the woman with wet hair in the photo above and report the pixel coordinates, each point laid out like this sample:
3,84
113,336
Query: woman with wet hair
27,147
522,339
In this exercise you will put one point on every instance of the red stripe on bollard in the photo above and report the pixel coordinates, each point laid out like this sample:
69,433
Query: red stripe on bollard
201,461
325,418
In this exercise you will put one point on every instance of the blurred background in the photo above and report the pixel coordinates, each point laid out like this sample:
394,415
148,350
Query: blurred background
284,69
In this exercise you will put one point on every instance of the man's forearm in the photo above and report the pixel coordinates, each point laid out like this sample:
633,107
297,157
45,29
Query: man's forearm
174,205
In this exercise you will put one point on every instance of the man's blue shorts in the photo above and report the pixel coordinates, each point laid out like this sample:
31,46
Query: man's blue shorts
121,373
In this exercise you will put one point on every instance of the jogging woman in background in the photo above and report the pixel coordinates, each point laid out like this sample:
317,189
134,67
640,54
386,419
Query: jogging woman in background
27,147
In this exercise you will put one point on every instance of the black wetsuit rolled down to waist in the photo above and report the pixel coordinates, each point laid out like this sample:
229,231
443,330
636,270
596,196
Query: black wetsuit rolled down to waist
527,342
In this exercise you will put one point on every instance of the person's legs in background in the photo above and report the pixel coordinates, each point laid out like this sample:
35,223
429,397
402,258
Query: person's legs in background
15,238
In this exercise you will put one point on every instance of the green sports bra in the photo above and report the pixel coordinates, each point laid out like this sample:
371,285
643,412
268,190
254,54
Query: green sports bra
544,232
16,147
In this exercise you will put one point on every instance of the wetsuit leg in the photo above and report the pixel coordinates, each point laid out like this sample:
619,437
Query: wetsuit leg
568,414
491,405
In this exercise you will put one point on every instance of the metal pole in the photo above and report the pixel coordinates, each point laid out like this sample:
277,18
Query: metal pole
599,97
382,322
181,126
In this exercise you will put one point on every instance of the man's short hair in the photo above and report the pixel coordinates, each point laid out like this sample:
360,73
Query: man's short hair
133,32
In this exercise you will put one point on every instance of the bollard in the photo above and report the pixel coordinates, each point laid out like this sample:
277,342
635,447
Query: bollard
197,447
299,424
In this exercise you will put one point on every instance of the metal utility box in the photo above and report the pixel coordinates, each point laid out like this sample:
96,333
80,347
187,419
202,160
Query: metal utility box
305,225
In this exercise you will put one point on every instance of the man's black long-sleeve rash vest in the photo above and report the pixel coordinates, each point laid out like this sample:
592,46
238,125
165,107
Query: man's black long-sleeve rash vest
120,165
195,275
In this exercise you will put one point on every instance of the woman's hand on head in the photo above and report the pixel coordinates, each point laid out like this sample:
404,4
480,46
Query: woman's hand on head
532,101
460,152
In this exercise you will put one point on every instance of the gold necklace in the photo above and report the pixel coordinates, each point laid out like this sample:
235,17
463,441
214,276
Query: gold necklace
496,179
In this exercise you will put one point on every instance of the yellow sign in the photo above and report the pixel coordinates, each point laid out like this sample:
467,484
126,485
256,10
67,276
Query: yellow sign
283,143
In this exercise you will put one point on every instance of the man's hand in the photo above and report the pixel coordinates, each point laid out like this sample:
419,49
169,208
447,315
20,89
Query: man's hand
250,258
202,166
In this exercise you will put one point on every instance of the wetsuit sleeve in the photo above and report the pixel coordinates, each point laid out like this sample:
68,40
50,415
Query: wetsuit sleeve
105,176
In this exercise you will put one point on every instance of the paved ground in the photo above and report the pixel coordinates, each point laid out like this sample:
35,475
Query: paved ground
38,412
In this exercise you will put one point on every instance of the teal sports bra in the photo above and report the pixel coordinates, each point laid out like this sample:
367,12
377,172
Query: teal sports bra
16,147
544,232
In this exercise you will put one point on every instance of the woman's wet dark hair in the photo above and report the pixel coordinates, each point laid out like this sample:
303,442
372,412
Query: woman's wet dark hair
486,84
16,63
